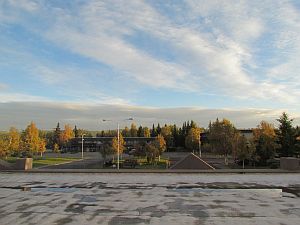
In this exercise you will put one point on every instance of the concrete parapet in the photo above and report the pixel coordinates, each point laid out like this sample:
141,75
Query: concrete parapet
23,164
289,163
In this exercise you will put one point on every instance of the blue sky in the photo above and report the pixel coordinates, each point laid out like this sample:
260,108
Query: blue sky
194,54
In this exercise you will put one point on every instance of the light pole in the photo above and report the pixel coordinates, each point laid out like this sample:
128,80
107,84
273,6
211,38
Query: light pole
200,151
118,134
82,145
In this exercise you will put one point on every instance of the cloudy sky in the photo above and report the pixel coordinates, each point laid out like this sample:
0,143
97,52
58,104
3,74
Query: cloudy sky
78,61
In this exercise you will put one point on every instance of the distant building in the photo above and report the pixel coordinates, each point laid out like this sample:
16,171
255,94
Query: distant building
96,143
248,133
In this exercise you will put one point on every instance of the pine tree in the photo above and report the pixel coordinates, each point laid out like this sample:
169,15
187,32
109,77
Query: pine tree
140,131
286,135
158,129
153,131
57,134
76,134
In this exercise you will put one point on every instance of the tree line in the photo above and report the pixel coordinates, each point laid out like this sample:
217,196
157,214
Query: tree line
222,138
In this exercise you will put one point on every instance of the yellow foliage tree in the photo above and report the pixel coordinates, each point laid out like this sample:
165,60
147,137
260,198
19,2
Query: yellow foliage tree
42,147
192,140
31,139
14,140
66,135
121,144
4,147
160,144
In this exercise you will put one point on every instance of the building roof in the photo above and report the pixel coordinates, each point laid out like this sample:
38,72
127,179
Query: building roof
192,161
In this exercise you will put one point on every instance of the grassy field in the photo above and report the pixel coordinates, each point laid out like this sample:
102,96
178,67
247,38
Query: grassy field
38,162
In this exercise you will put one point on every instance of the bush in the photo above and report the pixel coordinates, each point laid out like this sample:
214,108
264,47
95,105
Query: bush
273,163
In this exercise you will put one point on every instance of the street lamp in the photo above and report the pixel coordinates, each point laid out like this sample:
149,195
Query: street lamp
118,134
82,145
200,151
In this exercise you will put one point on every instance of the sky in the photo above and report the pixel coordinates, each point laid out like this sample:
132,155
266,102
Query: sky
81,61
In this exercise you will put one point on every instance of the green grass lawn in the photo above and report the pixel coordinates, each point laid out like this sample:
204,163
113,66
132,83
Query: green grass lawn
38,162
51,161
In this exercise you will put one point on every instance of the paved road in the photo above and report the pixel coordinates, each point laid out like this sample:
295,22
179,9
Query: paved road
149,199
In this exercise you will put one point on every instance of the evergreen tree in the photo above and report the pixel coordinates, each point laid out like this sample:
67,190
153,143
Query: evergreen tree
57,134
76,134
140,131
286,136
153,131
158,129
175,135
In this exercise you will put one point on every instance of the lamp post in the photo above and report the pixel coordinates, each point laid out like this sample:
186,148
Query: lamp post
118,137
82,145
200,151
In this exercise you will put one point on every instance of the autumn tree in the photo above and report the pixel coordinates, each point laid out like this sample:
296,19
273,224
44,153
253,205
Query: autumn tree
264,137
121,144
192,140
14,140
286,135
166,132
160,144
146,132
66,135
56,148
4,147
31,139
133,130
42,147
221,137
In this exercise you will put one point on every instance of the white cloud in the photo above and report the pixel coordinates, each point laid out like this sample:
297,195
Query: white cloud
87,116
217,46
220,58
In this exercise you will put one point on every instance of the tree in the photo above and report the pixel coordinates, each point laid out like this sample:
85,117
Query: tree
14,140
4,147
221,137
264,138
133,130
75,131
31,139
245,149
158,129
151,152
286,136
192,140
42,147
146,132
105,151
66,135
153,131
166,132
57,134
126,132
56,148
160,144
121,144
140,131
